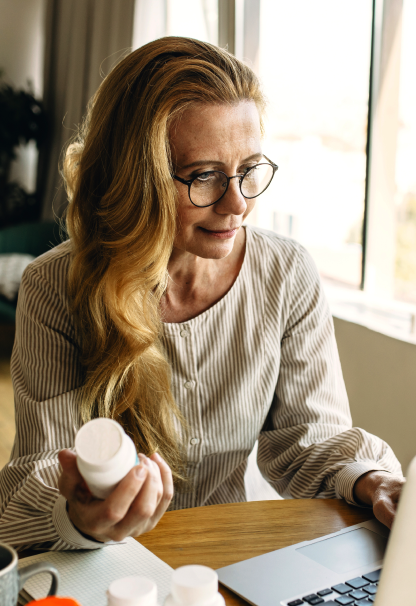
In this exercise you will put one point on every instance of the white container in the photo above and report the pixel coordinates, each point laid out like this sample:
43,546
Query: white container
105,454
132,591
194,586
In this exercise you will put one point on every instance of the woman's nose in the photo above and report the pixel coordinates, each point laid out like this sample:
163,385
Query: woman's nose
233,202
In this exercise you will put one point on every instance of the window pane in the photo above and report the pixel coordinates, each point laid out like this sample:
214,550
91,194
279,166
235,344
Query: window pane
190,18
314,63
405,275
193,19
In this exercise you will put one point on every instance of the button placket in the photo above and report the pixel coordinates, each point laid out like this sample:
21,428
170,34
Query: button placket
185,331
191,389
186,392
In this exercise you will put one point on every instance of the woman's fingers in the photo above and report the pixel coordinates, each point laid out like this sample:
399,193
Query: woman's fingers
96,517
386,499
122,497
140,517
384,512
99,519
134,507
167,481
152,492
103,516
166,496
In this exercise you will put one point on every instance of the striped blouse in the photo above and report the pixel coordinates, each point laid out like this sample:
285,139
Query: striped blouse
261,363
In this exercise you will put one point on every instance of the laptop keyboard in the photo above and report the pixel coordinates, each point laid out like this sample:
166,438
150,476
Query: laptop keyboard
360,591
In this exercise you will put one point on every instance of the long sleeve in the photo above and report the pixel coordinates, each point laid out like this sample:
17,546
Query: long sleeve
308,447
46,378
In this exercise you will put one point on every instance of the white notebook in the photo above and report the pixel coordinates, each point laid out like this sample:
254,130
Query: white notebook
86,575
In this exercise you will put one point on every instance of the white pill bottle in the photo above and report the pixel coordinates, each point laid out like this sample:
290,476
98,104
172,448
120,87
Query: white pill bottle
132,591
194,586
105,454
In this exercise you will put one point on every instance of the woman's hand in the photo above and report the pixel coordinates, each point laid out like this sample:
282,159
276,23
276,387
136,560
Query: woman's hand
135,506
381,490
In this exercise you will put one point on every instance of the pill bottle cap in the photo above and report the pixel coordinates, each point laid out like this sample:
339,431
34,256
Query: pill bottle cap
99,442
132,591
194,585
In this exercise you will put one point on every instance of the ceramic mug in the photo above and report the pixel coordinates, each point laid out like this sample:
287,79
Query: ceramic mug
12,579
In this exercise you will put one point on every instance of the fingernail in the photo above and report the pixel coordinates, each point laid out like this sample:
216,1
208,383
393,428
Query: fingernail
140,472
157,455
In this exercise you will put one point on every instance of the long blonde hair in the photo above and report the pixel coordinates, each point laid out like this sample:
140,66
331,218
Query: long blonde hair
122,223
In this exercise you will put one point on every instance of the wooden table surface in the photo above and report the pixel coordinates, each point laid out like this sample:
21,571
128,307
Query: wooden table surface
219,535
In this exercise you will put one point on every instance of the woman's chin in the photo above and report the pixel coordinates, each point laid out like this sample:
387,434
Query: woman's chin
206,247
217,250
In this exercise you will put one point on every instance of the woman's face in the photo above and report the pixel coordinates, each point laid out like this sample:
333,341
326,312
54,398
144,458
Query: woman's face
214,137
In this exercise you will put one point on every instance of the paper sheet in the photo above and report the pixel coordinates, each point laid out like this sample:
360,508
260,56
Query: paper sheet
86,575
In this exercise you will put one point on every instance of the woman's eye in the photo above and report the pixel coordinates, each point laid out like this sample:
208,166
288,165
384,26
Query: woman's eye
204,177
246,169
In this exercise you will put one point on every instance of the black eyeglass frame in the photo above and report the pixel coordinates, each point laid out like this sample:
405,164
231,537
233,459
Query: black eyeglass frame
189,182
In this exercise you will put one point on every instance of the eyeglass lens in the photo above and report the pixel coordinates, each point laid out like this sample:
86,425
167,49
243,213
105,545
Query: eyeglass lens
208,187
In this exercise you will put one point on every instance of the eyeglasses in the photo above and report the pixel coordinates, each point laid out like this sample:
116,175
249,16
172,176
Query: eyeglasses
209,187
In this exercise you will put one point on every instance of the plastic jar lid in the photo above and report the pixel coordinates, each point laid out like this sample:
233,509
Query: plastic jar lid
132,591
99,442
194,585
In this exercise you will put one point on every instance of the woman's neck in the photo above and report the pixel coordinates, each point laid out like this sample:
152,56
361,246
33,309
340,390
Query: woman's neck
196,284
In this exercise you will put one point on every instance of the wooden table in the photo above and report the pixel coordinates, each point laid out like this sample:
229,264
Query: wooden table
219,535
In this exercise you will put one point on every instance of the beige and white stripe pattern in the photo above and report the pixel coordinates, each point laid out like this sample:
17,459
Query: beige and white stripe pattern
260,364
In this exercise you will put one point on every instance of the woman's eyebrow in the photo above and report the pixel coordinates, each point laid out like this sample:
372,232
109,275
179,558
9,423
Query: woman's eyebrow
257,156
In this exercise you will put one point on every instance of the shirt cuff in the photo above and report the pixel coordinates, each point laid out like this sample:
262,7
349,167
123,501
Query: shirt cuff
346,478
67,531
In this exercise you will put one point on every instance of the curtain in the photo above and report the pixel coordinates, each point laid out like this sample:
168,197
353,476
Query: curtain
84,39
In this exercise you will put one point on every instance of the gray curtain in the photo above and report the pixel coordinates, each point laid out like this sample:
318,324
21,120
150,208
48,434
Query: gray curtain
84,39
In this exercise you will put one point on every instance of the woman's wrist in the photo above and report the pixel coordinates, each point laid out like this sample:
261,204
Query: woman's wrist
86,536
365,488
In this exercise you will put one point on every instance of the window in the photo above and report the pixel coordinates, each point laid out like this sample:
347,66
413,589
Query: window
405,266
314,64
355,212
190,18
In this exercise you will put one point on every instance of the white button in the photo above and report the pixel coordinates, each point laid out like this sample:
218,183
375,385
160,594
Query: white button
184,333
194,441
189,384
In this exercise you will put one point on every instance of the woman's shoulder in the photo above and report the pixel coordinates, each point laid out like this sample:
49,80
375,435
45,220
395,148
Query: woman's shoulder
273,240
48,272
54,261
290,276
282,253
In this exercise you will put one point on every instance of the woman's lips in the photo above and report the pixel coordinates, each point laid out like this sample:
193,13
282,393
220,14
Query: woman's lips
224,234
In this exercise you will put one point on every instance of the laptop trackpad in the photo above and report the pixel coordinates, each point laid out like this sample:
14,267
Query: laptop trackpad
348,551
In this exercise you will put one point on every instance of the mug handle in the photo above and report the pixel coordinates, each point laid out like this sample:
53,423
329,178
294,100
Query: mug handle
29,571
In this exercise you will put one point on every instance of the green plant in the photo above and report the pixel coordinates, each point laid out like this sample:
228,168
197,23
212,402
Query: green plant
22,119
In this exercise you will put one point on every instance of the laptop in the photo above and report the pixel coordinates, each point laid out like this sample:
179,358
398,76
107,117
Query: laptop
357,566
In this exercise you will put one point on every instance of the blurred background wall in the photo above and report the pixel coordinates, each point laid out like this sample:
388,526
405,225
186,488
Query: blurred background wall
64,48
22,40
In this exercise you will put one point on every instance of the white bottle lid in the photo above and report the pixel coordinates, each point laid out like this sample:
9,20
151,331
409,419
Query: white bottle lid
195,585
132,591
105,454
98,442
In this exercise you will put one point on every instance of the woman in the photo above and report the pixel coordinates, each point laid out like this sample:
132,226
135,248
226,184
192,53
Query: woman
164,312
